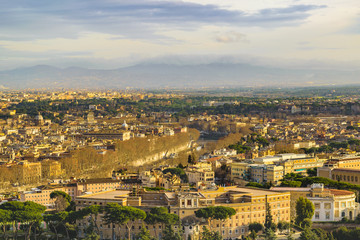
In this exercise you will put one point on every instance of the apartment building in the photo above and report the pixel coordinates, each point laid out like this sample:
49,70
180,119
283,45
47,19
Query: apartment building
200,176
80,187
250,206
345,169
42,195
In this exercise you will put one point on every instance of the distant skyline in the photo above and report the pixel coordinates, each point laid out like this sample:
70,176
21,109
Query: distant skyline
108,34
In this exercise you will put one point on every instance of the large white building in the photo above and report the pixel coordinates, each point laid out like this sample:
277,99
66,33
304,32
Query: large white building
330,204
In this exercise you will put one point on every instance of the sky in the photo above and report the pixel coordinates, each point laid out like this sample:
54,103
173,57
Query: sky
106,34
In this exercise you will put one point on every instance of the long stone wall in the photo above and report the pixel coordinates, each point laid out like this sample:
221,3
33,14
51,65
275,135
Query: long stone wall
160,155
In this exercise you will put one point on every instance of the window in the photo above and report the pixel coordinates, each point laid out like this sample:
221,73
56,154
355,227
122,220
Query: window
317,205
317,216
342,214
327,215
343,204
327,205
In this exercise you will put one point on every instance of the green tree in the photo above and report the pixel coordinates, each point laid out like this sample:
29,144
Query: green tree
321,233
170,234
307,234
192,158
5,219
290,183
57,219
283,225
179,172
311,172
304,209
269,234
253,234
269,219
209,235
62,200
257,227
27,213
218,213
144,234
161,215
92,211
122,215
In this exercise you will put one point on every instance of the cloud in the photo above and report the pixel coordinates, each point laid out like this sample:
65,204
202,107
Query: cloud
32,19
231,37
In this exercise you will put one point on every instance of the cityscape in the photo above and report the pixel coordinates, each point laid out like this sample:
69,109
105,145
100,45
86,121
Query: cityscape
180,120
179,164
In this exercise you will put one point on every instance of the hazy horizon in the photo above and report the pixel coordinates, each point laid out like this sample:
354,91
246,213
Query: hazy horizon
112,34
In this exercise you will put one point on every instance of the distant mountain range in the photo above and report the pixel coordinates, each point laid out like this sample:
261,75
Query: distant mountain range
170,75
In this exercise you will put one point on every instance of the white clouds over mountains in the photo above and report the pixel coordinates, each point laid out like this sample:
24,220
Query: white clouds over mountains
90,33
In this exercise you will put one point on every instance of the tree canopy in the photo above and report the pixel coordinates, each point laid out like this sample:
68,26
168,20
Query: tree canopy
304,210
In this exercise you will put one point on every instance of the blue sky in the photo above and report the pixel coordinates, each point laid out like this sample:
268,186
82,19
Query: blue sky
115,33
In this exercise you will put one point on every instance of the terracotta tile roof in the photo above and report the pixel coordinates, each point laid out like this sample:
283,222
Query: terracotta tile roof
337,192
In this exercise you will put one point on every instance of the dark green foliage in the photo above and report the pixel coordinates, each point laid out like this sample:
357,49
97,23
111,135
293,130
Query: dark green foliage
192,158
293,177
257,227
240,148
56,194
62,200
304,210
252,235
154,188
266,185
144,234
305,181
208,235
177,171
122,215
218,212
321,233
283,225
307,223
269,234
114,213
291,184
170,234
311,172
343,233
161,215
269,224
23,212
254,184
307,234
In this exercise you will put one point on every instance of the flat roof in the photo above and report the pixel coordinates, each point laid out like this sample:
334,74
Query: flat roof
290,189
97,180
114,194
243,190
346,170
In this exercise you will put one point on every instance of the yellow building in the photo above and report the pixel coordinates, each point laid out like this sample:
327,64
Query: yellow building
250,206
50,169
345,169
26,172
240,170
274,174
343,163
